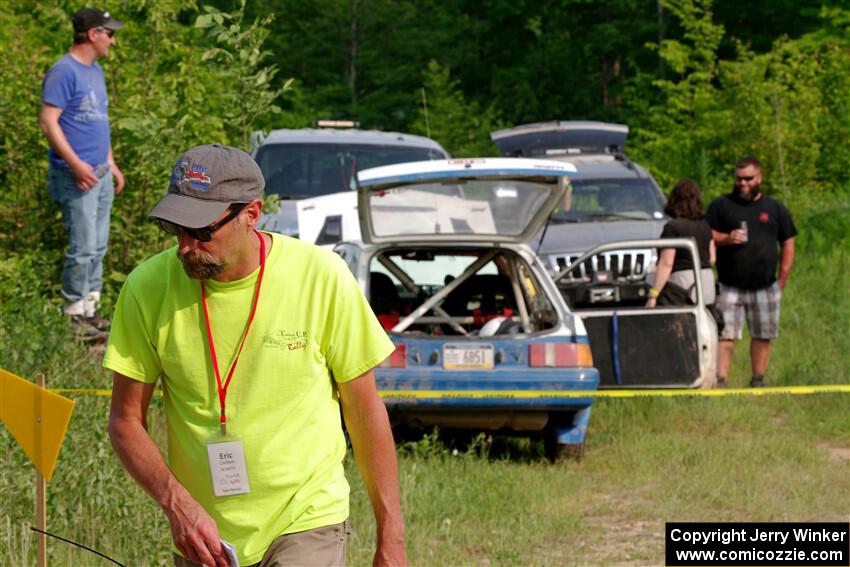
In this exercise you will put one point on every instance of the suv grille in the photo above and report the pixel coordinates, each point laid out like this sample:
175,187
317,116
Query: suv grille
632,265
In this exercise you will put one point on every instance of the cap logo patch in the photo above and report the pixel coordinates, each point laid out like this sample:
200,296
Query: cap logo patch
195,174
198,177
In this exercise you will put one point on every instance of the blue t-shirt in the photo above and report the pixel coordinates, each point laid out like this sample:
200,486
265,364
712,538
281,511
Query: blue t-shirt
80,91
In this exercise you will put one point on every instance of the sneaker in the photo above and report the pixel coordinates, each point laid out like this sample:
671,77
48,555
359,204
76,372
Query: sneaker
90,303
721,382
757,382
75,308
85,330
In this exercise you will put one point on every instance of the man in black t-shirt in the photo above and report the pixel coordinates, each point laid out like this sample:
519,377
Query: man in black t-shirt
747,226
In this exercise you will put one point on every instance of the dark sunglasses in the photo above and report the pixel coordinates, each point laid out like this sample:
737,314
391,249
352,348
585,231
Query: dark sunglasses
203,234
747,178
110,33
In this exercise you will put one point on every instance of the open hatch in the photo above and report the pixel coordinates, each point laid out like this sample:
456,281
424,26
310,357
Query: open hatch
446,229
490,200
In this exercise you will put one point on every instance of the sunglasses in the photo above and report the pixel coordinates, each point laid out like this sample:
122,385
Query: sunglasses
203,234
747,178
110,33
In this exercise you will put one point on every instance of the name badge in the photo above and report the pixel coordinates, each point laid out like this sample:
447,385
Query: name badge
227,466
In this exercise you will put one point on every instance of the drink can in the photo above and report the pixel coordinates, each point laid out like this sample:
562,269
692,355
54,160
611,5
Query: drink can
744,230
102,170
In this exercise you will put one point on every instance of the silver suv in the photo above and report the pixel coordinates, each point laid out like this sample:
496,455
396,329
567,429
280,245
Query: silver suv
613,199
602,247
301,165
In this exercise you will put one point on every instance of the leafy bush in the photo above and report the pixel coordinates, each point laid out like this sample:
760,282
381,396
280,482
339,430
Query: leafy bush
172,85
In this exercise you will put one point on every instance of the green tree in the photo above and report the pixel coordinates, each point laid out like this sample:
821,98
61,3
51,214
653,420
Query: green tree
788,106
240,57
669,139
358,59
460,126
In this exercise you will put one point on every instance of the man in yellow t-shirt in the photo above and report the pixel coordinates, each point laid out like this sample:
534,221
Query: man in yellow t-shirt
257,340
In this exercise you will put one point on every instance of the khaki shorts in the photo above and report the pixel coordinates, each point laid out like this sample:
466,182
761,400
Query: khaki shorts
324,546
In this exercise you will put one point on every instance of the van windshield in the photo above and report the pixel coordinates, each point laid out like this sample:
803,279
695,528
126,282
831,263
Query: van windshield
299,171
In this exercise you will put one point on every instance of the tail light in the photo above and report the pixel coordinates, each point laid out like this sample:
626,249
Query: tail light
559,355
398,359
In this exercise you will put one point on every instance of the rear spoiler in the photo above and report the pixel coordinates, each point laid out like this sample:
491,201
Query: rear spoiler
561,137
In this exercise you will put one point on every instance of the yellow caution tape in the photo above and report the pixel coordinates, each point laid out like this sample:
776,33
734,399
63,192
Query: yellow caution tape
525,394
797,390
82,392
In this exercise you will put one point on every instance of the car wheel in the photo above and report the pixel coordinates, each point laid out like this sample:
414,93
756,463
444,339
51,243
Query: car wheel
558,452
571,451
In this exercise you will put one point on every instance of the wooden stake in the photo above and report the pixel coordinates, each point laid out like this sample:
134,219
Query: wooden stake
41,498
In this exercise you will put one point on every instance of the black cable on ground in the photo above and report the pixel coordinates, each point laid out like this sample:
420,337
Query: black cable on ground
77,544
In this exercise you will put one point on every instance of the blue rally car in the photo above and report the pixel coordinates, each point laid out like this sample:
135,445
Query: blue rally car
484,340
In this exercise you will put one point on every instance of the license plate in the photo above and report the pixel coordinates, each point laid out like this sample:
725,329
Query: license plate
467,357
604,295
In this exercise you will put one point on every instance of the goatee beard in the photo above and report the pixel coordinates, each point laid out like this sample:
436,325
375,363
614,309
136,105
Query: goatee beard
749,197
200,266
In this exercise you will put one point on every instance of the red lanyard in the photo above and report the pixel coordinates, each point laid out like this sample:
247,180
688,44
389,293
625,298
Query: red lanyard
222,390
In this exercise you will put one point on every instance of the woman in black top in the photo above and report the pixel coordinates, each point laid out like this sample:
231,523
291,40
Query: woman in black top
685,207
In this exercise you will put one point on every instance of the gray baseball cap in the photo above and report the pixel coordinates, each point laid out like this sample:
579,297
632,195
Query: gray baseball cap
205,181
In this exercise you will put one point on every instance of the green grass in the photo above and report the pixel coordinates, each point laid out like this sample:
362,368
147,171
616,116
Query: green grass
814,335
649,461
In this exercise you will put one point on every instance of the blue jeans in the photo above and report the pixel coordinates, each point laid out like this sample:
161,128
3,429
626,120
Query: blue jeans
86,218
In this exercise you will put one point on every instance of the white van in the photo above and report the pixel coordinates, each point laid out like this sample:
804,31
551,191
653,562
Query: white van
312,172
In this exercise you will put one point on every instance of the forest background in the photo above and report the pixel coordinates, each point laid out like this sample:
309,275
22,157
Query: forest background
699,82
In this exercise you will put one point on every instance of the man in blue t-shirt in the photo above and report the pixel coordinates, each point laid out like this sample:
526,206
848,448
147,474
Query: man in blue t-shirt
753,234
82,177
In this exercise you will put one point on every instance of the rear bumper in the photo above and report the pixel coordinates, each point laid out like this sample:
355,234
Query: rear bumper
547,389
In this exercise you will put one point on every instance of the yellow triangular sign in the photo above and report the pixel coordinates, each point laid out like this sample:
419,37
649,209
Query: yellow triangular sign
36,417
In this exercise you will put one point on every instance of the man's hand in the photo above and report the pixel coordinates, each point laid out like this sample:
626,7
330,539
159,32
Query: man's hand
118,177
194,533
737,237
734,238
84,174
390,554
786,261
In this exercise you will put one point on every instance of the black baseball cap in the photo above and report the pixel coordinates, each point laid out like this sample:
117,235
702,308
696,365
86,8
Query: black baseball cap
88,18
